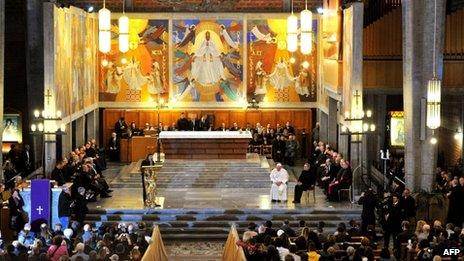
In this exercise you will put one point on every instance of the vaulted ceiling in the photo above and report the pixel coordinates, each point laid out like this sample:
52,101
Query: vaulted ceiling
196,5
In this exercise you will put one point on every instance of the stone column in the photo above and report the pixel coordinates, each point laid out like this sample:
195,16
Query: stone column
352,69
90,125
323,121
332,123
34,67
80,125
418,31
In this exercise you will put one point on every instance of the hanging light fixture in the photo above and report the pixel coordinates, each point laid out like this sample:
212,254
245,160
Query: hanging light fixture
292,32
123,23
306,21
104,29
434,88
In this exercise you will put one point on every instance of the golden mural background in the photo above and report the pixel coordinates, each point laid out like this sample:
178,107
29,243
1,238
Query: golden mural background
76,60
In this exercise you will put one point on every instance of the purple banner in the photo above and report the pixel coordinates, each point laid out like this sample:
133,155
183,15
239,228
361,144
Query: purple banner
40,201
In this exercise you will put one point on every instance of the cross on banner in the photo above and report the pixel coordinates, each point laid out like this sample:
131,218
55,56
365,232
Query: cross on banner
40,209
356,96
48,96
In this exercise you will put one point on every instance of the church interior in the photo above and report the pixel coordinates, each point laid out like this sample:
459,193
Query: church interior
232,130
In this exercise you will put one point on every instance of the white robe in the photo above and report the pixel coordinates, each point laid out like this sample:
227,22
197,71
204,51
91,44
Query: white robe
207,67
279,192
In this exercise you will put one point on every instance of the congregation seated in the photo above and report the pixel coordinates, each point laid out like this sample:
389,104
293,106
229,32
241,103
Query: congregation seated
78,242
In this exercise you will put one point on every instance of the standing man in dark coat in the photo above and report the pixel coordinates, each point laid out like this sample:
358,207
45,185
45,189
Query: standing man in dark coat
203,125
183,123
408,205
65,205
391,220
194,124
120,127
455,197
306,181
58,173
369,203
80,206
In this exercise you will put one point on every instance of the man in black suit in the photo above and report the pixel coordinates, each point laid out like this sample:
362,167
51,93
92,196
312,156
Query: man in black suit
369,203
120,127
203,125
391,220
408,205
306,181
183,123
113,146
194,124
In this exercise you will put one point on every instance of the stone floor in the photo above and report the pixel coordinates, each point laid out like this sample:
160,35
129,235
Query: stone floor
126,196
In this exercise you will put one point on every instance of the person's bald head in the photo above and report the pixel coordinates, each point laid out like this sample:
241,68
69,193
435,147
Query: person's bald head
278,166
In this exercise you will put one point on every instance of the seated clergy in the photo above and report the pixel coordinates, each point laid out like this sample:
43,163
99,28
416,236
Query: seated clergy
306,181
342,181
113,146
279,178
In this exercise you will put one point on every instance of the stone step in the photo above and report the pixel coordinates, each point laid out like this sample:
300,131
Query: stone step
220,211
227,217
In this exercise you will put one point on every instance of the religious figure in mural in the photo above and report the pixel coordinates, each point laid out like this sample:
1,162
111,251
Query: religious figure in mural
302,82
113,78
207,66
281,77
133,76
261,79
155,82
207,60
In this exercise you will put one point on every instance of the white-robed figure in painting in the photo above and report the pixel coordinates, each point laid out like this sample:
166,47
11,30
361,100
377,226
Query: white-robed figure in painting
261,79
279,178
155,82
113,78
133,76
207,67
302,82
280,78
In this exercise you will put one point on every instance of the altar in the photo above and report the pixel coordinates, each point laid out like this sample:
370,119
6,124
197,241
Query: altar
205,144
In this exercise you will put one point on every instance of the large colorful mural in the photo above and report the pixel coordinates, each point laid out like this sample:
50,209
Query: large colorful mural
275,74
207,65
141,74
76,60
207,62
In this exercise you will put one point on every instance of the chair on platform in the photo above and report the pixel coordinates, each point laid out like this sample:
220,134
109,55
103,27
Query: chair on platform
307,195
340,191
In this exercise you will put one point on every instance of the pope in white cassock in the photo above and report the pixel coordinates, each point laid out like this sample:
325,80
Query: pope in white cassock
207,66
279,178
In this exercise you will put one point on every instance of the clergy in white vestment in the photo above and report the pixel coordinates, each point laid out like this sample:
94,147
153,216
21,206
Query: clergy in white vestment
279,178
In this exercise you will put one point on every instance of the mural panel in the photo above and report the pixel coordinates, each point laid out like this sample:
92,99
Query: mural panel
141,74
62,66
274,74
77,62
208,61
